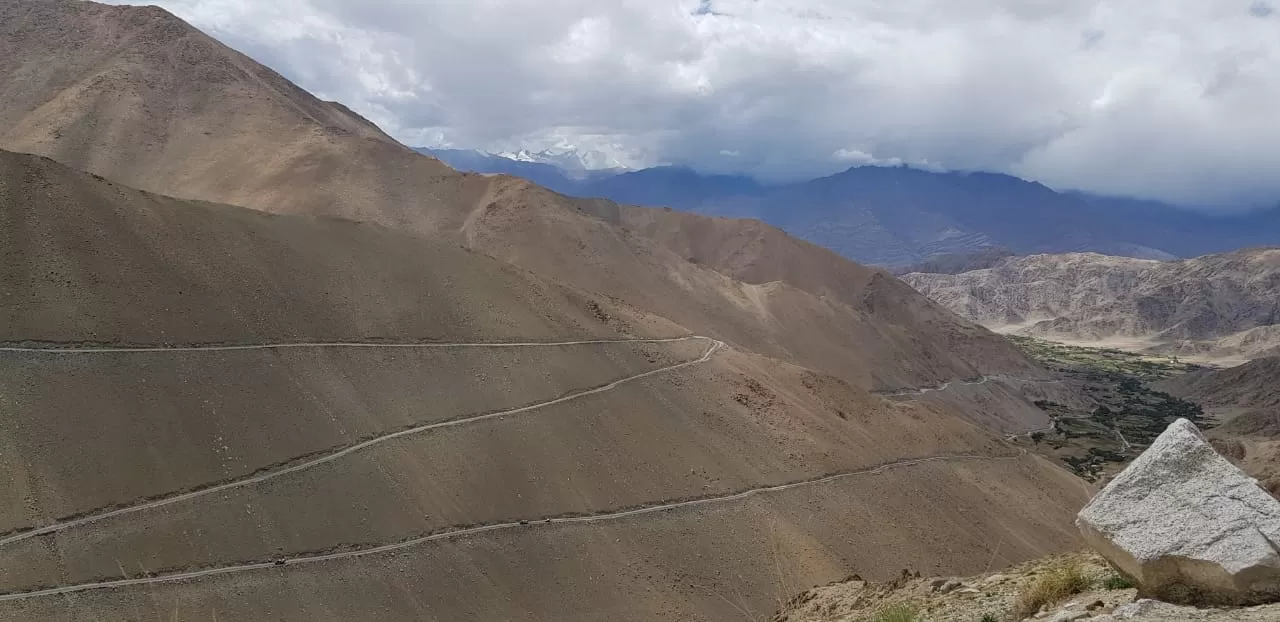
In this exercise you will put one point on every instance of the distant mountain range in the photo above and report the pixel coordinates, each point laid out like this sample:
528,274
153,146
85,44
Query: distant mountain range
896,216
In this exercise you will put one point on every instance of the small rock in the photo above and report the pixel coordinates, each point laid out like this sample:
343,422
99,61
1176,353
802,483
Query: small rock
1135,609
1069,616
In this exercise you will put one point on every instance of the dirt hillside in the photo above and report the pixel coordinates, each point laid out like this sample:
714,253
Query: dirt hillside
1233,392
196,453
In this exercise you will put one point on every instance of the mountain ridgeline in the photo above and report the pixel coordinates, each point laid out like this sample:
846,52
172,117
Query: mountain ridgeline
896,216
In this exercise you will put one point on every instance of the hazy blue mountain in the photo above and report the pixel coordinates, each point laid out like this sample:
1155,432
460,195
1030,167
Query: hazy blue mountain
672,186
1182,232
897,216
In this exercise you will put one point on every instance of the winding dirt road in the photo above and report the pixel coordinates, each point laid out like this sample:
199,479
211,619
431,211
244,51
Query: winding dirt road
73,349
962,383
521,524
95,516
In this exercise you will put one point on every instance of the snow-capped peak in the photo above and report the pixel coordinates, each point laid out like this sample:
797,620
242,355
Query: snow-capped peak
567,158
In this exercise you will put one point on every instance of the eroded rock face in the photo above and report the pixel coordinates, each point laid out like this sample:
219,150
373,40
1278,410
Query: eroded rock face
1188,525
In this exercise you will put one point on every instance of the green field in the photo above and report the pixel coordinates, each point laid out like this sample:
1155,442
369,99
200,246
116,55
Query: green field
1125,414
1143,367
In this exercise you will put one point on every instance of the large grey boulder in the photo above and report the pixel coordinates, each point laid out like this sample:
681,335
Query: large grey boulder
1187,525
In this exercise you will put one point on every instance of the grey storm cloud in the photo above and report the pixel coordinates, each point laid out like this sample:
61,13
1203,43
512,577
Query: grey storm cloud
1174,100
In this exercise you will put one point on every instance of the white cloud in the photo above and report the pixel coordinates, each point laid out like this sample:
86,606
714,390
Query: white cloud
858,157
1172,100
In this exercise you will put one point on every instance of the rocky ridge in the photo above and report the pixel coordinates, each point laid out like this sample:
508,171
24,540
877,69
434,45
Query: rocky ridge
1216,306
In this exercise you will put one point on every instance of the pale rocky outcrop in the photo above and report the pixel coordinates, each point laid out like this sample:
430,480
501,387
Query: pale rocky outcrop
1188,525
1217,306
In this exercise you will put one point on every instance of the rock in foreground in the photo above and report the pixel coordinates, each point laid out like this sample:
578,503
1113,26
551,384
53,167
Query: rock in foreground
1188,526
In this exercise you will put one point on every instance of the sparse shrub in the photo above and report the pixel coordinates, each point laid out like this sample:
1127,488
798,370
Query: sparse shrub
1117,581
897,612
1050,588
990,617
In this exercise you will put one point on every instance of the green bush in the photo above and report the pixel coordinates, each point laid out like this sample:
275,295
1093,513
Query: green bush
1117,581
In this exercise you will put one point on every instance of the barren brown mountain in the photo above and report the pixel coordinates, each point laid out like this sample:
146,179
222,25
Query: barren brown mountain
409,393
1217,306
140,97
1252,388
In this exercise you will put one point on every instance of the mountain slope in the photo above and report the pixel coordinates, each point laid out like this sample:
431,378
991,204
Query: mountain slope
94,260
152,463
217,126
1247,397
137,95
891,317
876,333
1217,305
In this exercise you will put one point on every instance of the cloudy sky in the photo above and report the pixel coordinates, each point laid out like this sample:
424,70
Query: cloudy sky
1170,99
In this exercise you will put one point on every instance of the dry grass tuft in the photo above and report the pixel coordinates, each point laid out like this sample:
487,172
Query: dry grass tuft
1052,587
